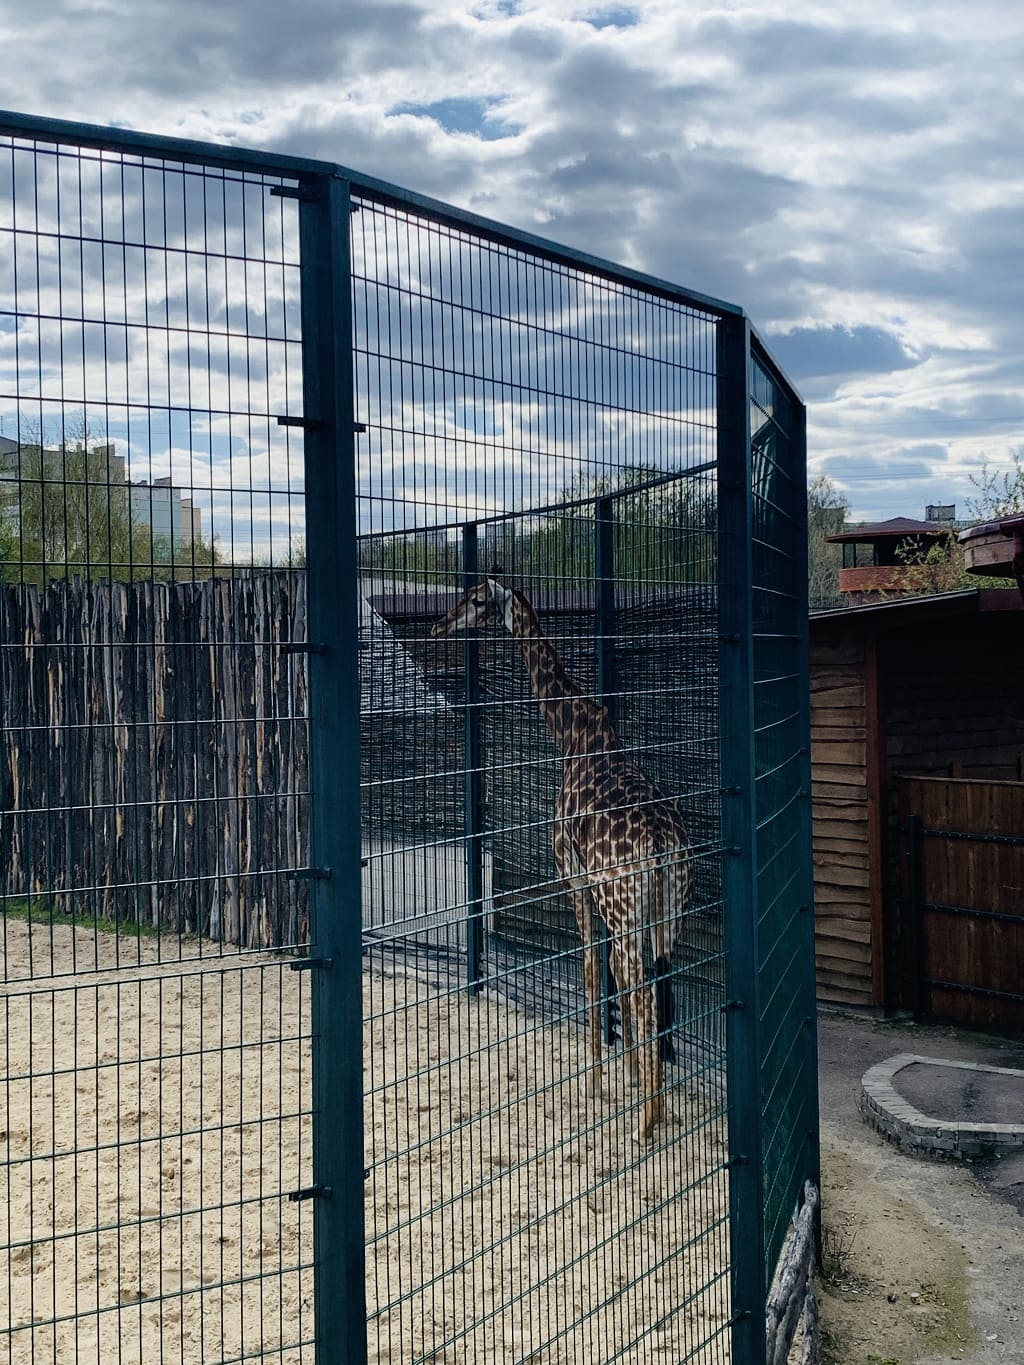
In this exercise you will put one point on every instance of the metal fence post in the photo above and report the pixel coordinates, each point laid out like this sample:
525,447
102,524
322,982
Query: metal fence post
333,622
607,687
474,780
739,870
808,976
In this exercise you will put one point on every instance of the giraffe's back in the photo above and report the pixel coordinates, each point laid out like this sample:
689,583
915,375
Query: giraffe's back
619,834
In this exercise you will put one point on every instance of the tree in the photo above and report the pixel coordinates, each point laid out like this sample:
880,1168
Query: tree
664,529
942,567
827,510
1001,492
64,513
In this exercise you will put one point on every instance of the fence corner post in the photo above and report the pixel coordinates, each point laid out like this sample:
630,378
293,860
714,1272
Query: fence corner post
739,878
334,761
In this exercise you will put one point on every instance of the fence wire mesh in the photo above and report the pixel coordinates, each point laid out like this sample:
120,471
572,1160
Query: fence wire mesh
781,794
516,411
543,1152
156,1107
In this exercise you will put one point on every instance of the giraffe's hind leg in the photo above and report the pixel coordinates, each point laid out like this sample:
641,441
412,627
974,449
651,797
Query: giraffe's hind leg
629,1057
637,998
583,909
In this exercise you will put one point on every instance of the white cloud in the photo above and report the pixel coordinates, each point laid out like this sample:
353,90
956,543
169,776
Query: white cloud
831,166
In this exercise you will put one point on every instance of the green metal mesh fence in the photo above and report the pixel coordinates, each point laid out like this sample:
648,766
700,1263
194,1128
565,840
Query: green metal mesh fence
782,798
154,1045
511,1213
361,1073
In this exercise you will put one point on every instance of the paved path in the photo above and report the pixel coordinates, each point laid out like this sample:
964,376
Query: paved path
980,1207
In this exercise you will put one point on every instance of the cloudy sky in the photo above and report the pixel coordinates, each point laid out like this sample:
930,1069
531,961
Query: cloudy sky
852,174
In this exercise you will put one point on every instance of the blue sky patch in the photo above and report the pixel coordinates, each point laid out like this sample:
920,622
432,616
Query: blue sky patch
463,115
612,16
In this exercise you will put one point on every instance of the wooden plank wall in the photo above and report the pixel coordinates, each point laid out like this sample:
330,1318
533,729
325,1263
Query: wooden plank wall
954,700
970,950
153,756
840,703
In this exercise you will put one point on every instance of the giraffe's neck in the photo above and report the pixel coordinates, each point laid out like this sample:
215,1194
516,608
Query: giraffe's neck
578,724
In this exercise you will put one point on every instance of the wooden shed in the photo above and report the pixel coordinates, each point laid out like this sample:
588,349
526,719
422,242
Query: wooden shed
932,688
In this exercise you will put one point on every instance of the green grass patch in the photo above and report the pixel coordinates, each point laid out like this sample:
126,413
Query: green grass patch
41,910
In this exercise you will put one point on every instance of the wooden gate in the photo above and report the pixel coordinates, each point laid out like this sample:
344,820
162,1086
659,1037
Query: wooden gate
961,900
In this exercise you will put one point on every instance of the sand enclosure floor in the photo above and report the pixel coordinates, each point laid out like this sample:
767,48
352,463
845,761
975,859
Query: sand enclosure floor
154,1117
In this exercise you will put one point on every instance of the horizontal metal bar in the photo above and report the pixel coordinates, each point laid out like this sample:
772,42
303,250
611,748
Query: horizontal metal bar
309,964
244,160
961,988
250,162
967,836
308,874
973,912
547,509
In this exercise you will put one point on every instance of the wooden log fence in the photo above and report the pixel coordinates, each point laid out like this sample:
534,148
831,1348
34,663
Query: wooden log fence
153,759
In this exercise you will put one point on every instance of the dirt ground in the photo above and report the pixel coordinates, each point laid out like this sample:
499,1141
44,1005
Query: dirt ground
152,1119
924,1260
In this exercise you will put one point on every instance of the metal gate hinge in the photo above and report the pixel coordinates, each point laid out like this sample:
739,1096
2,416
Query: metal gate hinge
310,1192
306,423
308,194
308,874
732,1005
301,647
309,964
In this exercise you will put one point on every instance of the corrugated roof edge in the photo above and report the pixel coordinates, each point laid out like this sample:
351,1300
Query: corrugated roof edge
949,603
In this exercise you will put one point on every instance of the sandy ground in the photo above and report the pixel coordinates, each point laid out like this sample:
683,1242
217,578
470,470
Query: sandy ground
924,1258
154,1116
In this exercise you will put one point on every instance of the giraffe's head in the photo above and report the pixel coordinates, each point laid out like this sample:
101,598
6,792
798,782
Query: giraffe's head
488,601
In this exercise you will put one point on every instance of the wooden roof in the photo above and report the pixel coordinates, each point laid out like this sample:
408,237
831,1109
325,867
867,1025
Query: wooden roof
896,611
896,528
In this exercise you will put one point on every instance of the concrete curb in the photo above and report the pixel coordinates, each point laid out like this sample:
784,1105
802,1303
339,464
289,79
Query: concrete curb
923,1135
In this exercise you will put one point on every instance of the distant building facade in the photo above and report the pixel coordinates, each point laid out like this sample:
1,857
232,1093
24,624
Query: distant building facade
160,507
170,517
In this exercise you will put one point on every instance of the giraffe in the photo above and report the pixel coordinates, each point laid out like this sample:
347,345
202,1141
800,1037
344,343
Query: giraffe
620,846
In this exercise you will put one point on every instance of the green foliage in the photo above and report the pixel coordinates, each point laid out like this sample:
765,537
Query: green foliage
827,510
429,554
65,513
1000,492
938,567
39,910
941,567
664,533
62,515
